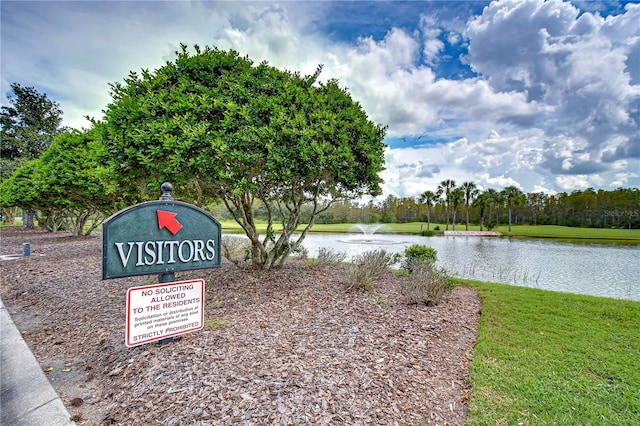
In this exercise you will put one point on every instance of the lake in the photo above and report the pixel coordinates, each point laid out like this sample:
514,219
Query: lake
606,270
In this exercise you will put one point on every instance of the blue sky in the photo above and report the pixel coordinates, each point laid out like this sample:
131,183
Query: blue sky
544,95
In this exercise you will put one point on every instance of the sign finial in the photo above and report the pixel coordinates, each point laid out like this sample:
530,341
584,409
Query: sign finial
166,192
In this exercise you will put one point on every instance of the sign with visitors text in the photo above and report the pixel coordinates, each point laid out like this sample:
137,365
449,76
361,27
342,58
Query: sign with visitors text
159,311
159,237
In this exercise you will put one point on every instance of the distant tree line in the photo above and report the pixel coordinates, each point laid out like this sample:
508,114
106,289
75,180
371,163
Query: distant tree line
619,208
464,205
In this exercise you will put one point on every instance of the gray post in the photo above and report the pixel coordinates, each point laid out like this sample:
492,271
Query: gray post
166,277
26,249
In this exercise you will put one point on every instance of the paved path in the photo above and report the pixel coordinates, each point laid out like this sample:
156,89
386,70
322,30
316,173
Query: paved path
26,396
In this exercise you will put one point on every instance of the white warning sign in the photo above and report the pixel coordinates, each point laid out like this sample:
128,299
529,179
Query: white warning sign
158,311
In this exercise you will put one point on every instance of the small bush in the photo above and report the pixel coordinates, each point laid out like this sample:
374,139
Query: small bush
328,256
437,228
426,284
367,268
236,249
417,252
427,233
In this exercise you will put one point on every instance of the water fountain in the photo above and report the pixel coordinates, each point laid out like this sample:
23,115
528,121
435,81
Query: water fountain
370,234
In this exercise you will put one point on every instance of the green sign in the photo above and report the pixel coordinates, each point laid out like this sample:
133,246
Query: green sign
159,237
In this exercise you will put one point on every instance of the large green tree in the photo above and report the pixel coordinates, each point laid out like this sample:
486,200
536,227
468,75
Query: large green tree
67,184
28,126
248,134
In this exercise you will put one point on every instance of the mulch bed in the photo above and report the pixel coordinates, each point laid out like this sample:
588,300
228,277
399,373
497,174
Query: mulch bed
290,346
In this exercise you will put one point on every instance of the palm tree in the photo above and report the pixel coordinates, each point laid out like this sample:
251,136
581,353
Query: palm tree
470,191
491,198
457,197
429,198
483,200
510,193
445,187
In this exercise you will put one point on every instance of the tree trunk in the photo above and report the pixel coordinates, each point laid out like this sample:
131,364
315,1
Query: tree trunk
9,215
466,228
447,227
29,219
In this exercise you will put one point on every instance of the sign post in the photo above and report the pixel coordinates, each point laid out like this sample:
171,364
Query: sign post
169,222
159,237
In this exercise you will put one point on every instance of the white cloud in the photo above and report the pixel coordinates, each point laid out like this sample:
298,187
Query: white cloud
432,45
625,178
573,182
453,38
556,103
499,181
542,189
578,66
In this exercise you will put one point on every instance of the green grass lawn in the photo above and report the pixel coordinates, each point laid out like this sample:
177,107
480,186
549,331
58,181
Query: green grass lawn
549,358
538,231
553,231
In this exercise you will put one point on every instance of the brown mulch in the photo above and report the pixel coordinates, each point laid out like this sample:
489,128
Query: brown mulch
289,346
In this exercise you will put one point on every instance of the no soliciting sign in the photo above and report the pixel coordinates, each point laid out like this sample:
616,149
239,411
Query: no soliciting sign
158,311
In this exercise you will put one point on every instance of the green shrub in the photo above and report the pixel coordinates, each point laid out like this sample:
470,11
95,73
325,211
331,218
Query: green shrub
427,233
367,268
417,252
437,228
426,284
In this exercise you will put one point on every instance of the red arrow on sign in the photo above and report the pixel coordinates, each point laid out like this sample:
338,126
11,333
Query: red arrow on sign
168,220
